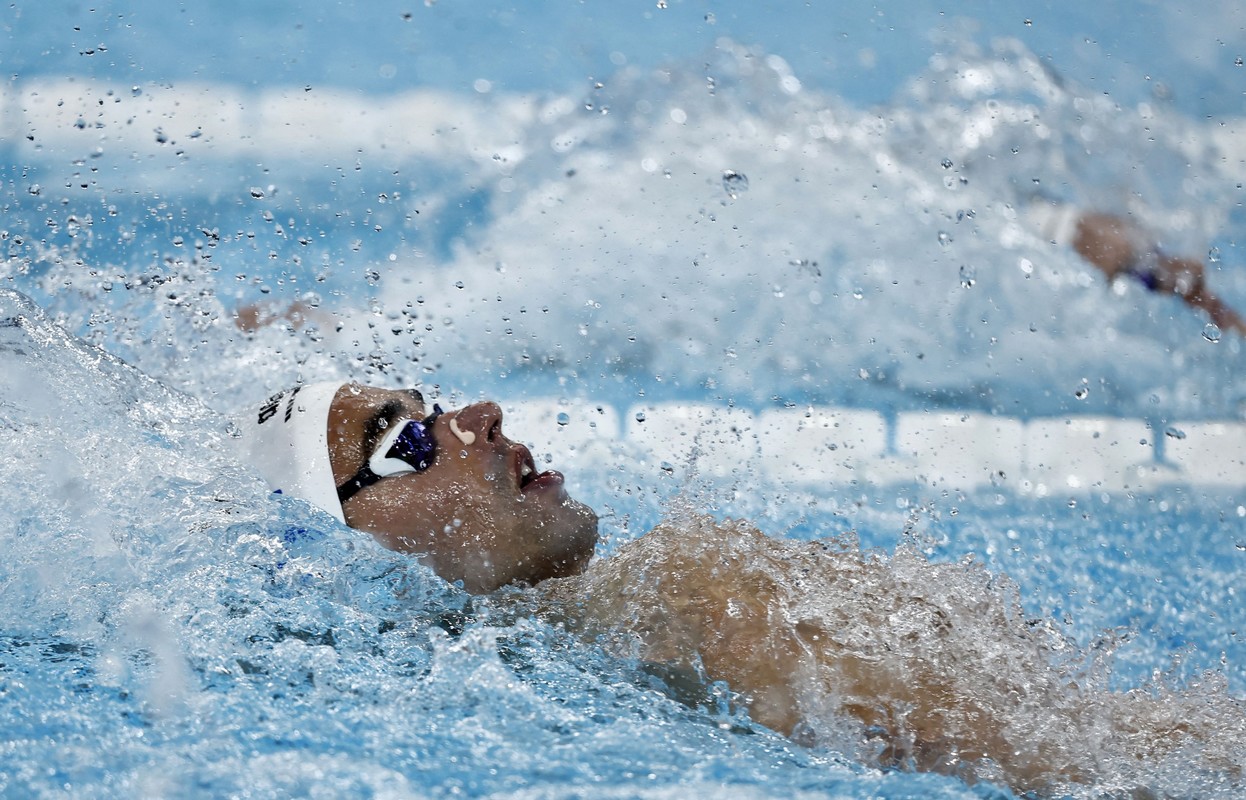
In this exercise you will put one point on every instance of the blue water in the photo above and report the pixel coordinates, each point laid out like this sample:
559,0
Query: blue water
564,229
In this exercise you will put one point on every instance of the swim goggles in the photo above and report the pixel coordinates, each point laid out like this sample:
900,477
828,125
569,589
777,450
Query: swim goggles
407,447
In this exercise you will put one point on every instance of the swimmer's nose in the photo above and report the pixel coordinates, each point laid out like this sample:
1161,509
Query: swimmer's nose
483,419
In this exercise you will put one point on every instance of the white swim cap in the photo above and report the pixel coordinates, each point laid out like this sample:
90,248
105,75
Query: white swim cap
287,440
1055,222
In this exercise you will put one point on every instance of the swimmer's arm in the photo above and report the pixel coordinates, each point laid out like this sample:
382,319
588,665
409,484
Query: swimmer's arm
1116,246
253,316
1185,277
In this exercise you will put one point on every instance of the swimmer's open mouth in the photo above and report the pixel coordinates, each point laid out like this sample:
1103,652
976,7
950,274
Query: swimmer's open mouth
525,467
525,470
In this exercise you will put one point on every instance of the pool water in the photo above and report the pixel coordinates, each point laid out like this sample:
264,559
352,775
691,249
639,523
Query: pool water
598,211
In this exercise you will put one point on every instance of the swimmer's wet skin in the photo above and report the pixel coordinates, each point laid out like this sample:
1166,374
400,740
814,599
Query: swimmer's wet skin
935,665
450,487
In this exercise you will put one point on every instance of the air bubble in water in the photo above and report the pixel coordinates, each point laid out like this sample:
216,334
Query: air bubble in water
1211,332
734,183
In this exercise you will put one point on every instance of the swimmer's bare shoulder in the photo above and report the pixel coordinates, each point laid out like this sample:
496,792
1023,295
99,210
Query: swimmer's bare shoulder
696,596
745,608
815,635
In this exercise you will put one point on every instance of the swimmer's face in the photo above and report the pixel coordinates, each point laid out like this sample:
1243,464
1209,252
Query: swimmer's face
480,513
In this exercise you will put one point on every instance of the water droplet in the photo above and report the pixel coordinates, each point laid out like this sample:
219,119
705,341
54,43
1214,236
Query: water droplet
1174,433
563,419
640,416
136,91
662,4
1082,393
1237,62
458,284
667,467
734,183
1211,332
710,19
946,163
968,275
945,238
372,276
1213,255
857,294
257,192
1029,22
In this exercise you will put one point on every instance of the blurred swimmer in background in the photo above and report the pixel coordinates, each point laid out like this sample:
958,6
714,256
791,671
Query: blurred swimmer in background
1115,245
1119,248
892,659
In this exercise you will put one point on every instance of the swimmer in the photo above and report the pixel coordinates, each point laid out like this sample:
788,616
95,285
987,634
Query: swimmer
447,485
253,316
929,666
1121,249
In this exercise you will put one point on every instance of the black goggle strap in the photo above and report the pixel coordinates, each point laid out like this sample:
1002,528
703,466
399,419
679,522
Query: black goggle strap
365,477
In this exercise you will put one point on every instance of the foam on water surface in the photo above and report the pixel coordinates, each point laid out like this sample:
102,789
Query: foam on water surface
875,257
176,614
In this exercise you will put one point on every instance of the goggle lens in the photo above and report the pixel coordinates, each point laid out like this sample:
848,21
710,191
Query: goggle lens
408,447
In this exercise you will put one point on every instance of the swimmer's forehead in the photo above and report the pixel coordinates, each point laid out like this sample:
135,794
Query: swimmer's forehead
357,407
358,394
